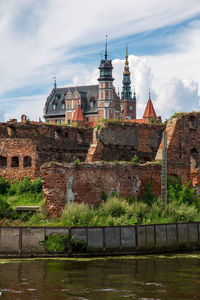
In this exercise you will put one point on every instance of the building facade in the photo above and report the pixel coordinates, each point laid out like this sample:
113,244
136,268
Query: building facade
85,105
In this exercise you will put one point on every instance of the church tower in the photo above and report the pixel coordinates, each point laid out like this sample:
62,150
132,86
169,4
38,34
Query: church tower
128,103
105,79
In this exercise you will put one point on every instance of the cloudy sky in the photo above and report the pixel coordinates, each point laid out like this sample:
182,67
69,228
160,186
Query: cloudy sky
43,38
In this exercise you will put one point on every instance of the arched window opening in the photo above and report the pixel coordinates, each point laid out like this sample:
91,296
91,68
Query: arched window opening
192,122
3,161
194,162
27,161
15,162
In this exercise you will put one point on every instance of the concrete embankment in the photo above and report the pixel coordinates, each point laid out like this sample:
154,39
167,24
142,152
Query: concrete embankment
30,241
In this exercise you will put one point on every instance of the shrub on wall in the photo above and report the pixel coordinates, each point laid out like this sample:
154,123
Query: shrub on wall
59,243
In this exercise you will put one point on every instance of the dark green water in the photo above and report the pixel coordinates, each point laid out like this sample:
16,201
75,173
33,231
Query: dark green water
150,277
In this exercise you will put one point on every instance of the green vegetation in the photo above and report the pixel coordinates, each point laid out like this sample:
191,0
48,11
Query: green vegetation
77,162
183,206
135,160
24,193
59,243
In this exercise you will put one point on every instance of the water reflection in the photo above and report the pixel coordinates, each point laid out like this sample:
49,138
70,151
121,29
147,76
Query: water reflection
144,278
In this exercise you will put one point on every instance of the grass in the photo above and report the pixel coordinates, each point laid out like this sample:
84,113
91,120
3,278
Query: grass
183,206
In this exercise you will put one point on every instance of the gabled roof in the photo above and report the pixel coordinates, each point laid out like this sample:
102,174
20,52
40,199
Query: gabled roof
78,115
149,110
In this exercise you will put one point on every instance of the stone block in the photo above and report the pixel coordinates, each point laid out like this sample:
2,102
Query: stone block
183,235
193,234
33,240
95,238
161,236
171,236
9,240
150,238
141,237
112,237
128,237
80,233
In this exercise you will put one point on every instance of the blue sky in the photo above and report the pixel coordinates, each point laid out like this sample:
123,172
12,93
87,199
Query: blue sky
40,39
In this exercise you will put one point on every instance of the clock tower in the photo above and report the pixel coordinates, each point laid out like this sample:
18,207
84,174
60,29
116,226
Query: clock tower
128,103
105,103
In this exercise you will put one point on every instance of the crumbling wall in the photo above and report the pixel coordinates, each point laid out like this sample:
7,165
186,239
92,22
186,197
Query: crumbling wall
183,147
121,141
85,182
25,147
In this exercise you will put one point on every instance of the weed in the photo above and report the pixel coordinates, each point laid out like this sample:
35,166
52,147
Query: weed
77,162
135,160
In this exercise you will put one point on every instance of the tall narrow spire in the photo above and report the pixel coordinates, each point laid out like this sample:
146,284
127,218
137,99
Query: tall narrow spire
106,51
126,52
54,82
149,94
126,88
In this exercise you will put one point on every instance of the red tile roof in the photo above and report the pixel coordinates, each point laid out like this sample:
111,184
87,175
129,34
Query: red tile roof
78,115
149,111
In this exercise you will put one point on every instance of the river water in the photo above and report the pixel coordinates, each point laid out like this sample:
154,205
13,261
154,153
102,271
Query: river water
148,277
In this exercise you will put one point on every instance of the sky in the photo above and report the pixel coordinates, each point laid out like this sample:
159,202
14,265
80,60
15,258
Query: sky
40,39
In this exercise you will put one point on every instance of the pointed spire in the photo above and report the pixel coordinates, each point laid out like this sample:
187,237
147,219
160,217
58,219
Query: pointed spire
134,94
126,67
106,50
149,94
126,52
54,82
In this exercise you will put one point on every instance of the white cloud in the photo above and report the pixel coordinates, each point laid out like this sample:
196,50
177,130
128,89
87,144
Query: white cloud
38,38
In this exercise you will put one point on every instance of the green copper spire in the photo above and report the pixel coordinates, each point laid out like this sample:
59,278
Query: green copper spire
126,88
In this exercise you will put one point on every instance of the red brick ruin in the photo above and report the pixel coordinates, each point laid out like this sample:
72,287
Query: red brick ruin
49,151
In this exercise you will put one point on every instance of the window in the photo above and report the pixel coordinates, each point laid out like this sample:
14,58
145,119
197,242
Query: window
15,162
68,107
91,104
3,161
68,121
54,105
27,161
63,105
56,122
76,106
61,121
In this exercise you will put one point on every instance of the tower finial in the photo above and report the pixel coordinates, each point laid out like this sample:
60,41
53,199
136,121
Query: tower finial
54,82
149,93
126,52
106,52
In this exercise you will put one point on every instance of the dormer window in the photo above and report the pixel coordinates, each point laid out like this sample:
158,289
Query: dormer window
63,105
92,101
54,105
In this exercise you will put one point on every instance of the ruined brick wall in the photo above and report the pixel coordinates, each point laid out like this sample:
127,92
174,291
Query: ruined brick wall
18,158
85,183
25,147
183,147
119,141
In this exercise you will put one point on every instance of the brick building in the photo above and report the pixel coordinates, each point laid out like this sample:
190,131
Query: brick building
96,102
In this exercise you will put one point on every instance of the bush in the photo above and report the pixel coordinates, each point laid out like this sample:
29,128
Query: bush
77,215
78,245
187,195
59,243
56,243
173,187
5,209
139,210
4,185
147,195
114,207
